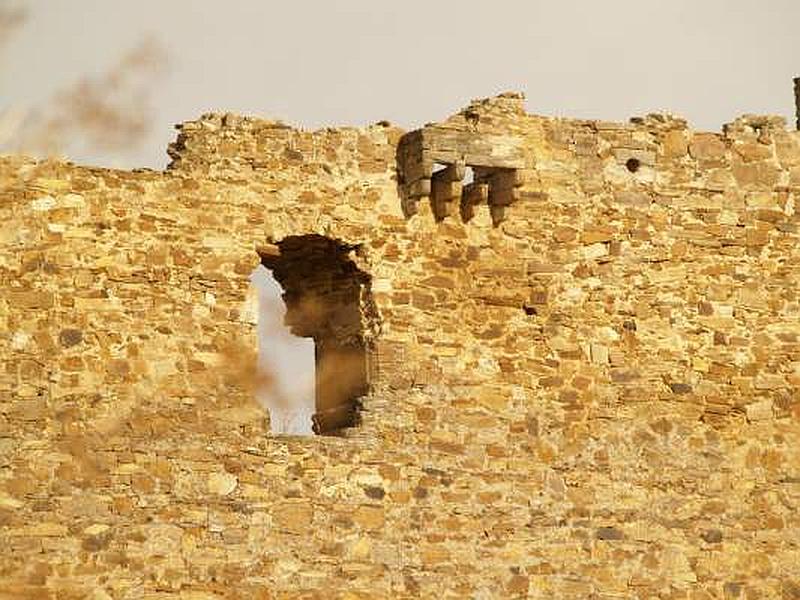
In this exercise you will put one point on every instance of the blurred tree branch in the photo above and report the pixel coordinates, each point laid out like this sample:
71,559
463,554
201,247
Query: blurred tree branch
106,114
11,18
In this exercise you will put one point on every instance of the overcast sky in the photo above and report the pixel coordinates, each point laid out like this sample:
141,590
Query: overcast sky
349,62
355,62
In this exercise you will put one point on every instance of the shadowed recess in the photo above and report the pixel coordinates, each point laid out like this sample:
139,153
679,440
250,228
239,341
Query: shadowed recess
327,299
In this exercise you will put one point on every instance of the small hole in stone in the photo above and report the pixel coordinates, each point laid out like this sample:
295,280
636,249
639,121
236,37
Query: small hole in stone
632,164
529,310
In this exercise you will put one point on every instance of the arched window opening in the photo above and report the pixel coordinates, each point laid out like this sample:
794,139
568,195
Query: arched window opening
328,300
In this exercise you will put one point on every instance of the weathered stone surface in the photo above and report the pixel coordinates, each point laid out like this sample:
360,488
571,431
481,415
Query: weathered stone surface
222,483
707,147
594,396
293,517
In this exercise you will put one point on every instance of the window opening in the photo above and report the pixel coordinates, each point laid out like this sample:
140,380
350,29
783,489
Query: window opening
328,301
285,362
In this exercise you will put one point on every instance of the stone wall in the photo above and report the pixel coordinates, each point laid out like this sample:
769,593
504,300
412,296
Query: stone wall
591,395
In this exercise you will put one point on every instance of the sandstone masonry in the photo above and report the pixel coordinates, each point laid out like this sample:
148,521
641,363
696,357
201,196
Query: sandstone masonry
577,374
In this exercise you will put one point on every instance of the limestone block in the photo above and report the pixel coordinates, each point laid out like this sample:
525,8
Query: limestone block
760,411
293,517
705,146
222,484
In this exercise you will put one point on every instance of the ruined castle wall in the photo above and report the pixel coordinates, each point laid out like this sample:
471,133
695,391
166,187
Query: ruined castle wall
596,396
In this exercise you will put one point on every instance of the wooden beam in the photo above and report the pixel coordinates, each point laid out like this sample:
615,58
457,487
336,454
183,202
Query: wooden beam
268,250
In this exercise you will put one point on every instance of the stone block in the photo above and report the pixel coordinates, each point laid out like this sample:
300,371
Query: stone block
293,517
707,147
222,484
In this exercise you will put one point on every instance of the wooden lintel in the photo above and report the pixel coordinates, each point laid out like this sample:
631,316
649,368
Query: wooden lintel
268,250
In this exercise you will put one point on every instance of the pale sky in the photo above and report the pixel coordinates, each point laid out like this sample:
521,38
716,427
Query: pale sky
355,62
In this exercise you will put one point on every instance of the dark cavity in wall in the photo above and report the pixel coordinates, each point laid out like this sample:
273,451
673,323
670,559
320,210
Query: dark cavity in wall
328,299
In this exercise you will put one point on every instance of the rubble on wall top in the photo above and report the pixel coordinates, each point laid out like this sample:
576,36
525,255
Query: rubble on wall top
751,123
505,105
